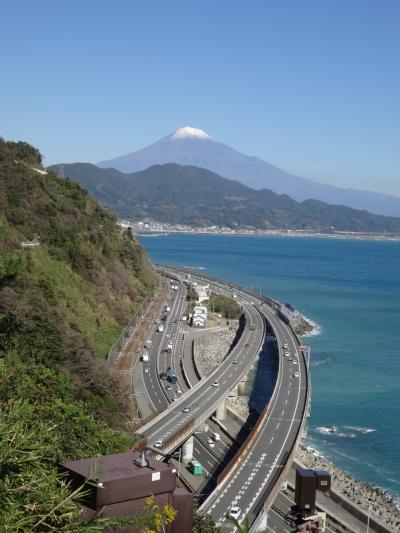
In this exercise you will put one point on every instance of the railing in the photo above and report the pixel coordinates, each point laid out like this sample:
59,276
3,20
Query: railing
257,428
253,435
126,334
208,412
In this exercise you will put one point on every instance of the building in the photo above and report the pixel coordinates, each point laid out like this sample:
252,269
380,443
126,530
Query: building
117,485
202,292
199,316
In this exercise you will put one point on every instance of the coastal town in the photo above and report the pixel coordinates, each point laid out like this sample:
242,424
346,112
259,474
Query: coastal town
152,227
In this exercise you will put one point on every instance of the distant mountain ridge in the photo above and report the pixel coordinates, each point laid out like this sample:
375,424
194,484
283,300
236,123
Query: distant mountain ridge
196,196
193,146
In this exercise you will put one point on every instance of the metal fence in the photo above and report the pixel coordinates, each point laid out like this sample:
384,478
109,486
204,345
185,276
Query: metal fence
124,337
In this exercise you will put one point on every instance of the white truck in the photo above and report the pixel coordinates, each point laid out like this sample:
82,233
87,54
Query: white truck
168,309
160,328
145,357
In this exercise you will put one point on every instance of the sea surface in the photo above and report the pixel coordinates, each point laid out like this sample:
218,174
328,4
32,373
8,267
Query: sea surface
351,289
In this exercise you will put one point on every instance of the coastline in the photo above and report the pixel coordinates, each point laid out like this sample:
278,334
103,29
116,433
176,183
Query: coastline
380,503
276,233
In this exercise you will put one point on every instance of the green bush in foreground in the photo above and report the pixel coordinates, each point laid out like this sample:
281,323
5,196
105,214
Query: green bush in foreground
34,496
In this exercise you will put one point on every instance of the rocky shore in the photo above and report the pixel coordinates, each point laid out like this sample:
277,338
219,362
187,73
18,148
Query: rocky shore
380,504
210,351
302,326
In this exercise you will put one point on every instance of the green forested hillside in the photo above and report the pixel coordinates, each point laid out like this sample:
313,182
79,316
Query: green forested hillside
62,304
182,194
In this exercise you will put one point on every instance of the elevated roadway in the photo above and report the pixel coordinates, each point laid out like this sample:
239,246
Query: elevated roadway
250,480
173,426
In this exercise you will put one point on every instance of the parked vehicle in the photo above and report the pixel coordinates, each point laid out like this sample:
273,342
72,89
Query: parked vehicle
145,357
217,437
148,344
160,328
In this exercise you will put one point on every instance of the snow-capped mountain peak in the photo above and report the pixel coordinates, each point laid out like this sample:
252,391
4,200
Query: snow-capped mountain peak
190,133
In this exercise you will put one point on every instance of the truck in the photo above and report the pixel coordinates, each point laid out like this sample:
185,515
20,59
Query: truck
169,347
168,309
195,468
160,328
148,344
145,357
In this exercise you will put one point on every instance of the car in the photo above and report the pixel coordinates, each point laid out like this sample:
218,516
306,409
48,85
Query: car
146,370
178,391
158,444
168,387
285,346
286,353
294,362
215,383
211,443
296,375
234,362
186,410
234,512
246,345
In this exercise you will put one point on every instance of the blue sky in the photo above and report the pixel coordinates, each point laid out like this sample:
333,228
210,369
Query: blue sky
312,86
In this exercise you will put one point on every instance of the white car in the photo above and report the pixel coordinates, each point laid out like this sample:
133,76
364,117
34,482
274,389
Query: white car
285,346
215,383
234,512
186,409
296,375
178,391
294,362
158,444
211,443
287,354
146,370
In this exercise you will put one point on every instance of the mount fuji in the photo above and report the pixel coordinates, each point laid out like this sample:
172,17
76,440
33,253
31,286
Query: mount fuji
195,147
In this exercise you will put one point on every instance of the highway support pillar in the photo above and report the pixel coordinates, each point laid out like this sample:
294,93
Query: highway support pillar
241,386
220,413
187,450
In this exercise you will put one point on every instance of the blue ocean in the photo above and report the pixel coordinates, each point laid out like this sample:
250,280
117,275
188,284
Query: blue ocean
351,290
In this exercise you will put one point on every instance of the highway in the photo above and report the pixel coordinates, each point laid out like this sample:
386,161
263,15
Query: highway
256,474
155,389
204,397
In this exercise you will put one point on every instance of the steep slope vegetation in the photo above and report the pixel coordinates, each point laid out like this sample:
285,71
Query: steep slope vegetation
61,305
195,196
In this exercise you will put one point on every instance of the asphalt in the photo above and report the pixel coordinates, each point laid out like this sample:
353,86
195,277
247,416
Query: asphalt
255,476
204,397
